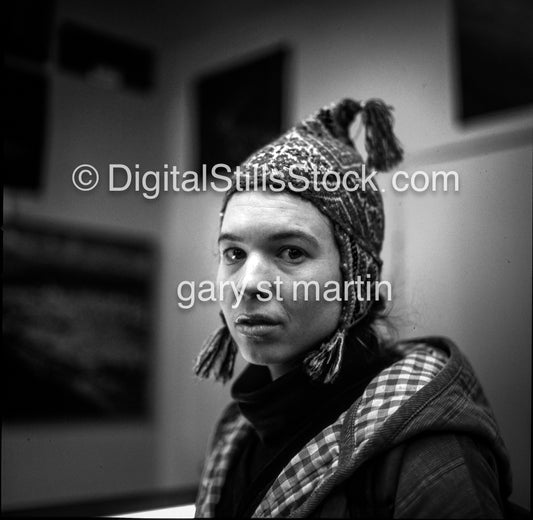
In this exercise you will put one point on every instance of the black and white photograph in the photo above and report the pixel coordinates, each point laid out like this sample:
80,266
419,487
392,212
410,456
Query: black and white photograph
267,259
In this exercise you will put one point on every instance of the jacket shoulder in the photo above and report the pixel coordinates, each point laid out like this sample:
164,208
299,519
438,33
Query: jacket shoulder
436,475
448,475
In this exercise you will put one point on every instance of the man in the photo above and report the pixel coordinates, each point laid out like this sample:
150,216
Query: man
328,419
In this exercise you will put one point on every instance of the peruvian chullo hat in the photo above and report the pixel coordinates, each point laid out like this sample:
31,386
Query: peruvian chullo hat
320,150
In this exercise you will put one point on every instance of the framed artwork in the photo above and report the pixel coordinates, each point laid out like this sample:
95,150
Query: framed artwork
494,48
240,108
77,314
105,59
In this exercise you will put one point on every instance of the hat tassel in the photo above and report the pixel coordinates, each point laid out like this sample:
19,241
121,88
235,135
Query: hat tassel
324,364
217,357
383,148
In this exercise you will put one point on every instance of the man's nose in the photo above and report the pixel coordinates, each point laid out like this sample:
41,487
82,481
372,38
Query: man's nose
256,272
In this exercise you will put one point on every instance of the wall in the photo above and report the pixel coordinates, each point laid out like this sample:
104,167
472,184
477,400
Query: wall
458,262
47,464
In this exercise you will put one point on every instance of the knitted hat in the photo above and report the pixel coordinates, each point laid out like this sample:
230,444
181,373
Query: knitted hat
317,160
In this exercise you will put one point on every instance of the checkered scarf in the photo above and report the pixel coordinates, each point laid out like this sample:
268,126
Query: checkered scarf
318,460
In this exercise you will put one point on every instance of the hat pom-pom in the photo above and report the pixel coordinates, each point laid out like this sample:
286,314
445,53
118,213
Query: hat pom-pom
338,118
383,148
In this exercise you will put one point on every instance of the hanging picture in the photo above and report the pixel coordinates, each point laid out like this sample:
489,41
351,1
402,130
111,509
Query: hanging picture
241,108
77,325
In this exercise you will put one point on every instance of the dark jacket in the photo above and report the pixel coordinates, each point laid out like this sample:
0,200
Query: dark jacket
420,442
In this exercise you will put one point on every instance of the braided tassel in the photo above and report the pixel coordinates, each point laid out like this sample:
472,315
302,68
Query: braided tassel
338,118
383,148
324,364
217,357
342,116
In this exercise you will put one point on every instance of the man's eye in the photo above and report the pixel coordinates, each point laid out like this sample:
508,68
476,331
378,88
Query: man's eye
232,255
293,255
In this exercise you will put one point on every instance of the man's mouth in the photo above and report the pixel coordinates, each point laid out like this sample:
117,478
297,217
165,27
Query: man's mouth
256,325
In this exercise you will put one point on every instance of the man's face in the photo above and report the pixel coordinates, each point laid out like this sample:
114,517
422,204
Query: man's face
264,236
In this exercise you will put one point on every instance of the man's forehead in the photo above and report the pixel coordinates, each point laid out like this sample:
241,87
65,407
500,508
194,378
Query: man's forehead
266,199
275,217
274,208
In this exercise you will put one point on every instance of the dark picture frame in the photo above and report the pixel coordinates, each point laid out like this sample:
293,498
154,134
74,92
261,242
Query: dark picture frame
77,324
241,108
494,52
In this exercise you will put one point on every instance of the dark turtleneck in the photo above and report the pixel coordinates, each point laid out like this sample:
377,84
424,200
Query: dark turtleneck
285,414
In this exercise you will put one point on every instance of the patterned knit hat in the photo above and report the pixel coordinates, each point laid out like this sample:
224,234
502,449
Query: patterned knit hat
317,160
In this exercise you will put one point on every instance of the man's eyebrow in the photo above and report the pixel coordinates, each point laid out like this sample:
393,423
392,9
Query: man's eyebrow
281,235
287,235
229,237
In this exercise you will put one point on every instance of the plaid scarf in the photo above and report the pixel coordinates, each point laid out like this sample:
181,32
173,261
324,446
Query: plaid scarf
307,474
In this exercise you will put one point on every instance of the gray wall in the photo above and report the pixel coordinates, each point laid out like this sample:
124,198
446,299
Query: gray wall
460,263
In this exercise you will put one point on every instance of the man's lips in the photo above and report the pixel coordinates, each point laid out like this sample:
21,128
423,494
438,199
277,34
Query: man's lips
256,319
255,325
